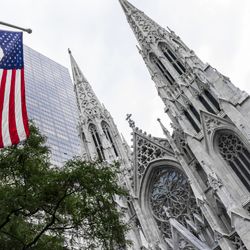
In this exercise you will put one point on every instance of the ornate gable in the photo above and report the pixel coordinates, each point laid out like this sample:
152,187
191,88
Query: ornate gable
146,150
210,124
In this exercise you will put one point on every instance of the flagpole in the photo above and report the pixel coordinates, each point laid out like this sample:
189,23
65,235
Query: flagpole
16,27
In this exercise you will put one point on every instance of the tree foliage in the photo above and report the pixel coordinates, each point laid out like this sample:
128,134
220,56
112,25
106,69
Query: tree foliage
44,207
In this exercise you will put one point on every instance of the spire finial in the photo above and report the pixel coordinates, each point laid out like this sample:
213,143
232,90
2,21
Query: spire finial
87,100
165,130
143,26
130,121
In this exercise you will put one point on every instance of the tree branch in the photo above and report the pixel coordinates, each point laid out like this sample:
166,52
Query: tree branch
49,224
12,236
7,220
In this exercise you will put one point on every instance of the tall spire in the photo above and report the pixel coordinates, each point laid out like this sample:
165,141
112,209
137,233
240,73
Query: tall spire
145,29
88,104
172,66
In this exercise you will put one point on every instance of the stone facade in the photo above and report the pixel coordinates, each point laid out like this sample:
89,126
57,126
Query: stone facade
189,190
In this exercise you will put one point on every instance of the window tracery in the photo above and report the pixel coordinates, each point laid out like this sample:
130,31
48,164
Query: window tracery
235,153
147,151
97,142
162,69
171,197
176,63
237,242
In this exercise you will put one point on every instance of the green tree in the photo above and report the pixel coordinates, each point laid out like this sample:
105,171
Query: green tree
44,207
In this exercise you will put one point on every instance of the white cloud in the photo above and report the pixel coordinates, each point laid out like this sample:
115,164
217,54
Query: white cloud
104,45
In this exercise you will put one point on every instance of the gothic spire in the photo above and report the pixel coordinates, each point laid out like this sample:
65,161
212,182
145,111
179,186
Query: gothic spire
88,104
143,26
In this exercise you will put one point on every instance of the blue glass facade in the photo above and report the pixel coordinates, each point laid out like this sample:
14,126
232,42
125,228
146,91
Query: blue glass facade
51,104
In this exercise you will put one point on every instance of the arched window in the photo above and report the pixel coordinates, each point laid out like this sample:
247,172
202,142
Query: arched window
236,154
195,112
97,142
212,99
171,196
176,63
162,68
105,128
206,104
192,121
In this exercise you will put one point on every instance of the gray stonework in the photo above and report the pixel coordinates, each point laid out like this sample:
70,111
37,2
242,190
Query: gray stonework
189,190
209,145
102,141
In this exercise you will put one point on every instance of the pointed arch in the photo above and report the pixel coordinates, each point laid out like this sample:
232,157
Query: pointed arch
206,104
235,153
159,65
109,136
172,58
166,193
192,121
97,142
212,99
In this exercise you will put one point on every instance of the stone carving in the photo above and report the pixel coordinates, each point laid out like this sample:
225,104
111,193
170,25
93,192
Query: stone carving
148,150
181,144
87,101
171,196
230,147
214,182
194,91
211,123
247,207
130,121
237,242
185,245
217,236
145,29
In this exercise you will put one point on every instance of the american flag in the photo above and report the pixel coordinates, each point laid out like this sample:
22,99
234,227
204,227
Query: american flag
13,114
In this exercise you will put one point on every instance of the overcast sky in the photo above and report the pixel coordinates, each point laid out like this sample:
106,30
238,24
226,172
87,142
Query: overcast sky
105,47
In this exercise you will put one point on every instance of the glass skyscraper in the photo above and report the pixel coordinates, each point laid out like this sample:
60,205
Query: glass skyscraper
51,103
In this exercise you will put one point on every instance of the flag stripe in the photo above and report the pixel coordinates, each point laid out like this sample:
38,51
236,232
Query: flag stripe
5,113
2,90
24,110
12,116
14,125
18,107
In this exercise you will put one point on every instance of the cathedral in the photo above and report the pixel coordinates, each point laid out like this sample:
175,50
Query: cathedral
189,190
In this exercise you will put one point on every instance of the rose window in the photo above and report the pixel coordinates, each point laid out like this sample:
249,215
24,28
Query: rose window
171,197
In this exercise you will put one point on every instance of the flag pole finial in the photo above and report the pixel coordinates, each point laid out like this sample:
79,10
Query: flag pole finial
29,31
